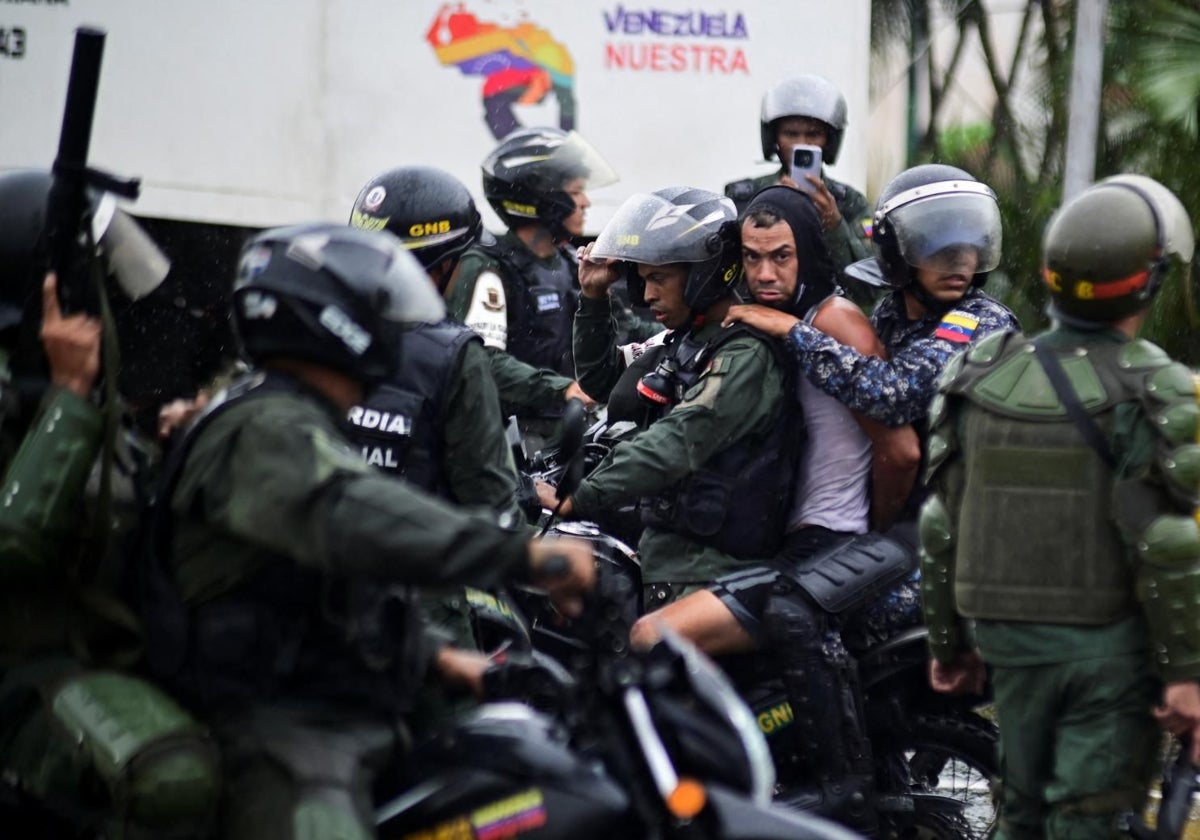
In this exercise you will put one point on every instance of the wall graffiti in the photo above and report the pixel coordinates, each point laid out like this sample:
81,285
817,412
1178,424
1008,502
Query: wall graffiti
520,65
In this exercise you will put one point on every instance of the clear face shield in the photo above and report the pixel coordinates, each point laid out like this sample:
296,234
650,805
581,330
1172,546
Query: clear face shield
573,158
129,254
951,227
649,229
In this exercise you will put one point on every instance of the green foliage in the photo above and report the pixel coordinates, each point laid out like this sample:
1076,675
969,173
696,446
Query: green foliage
1150,124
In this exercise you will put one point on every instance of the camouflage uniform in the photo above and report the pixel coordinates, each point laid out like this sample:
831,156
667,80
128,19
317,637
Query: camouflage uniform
897,390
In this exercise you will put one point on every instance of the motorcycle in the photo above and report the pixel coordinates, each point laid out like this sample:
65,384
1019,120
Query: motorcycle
654,745
934,755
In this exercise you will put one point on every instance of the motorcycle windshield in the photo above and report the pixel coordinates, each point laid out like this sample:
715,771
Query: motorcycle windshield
712,687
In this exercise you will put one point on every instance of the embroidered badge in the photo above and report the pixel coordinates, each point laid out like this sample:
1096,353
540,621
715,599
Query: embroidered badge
493,303
957,327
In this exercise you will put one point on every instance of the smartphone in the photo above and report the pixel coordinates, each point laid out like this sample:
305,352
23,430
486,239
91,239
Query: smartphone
805,160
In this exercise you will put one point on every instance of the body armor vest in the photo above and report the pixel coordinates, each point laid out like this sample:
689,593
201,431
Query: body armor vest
739,500
397,425
1036,538
287,631
541,305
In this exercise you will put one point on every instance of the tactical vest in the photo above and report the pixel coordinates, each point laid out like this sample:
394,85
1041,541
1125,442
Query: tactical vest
1036,539
397,425
739,500
287,631
541,305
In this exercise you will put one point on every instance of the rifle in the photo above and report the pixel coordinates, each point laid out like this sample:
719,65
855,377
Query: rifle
69,239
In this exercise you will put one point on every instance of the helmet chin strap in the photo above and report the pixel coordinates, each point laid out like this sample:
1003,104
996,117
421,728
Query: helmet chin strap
932,305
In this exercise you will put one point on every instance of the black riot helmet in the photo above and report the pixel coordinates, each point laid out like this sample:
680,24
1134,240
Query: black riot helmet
127,255
1106,252
429,209
677,225
524,177
924,212
329,294
806,95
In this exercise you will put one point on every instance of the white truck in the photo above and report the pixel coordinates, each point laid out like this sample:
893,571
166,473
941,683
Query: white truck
263,112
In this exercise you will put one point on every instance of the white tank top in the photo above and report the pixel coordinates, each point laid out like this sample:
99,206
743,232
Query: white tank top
833,480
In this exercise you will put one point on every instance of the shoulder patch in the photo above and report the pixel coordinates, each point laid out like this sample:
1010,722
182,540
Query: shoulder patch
957,326
631,352
488,313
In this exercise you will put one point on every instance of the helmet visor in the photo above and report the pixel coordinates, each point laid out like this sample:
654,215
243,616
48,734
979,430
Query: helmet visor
548,167
955,230
131,255
652,230
377,268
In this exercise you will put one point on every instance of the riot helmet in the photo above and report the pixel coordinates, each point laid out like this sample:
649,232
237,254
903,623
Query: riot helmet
127,254
524,177
430,211
1106,252
330,295
806,95
677,225
924,214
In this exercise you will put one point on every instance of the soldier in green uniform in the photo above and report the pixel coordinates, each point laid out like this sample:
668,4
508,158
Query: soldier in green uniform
520,293
82,741
437,422
712,467
282,607
1063,523
808,110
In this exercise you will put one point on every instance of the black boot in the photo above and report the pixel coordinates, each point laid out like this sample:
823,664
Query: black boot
822,686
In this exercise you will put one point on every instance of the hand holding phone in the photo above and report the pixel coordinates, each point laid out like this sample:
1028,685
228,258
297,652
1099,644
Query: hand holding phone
806,160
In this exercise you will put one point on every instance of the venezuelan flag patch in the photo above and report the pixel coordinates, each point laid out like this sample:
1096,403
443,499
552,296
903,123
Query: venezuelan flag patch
957,327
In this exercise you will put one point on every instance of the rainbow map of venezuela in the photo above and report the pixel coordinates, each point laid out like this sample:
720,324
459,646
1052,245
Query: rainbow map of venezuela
520,65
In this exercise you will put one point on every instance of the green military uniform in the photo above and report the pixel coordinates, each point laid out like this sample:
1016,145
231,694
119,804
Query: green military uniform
479,469
737,399
275,515
437,423
478,465
1079,577
101,746
849,241
485,309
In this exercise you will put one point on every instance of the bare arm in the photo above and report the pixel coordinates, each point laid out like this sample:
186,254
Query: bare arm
895,452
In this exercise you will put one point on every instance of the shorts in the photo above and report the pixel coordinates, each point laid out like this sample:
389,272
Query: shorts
745,593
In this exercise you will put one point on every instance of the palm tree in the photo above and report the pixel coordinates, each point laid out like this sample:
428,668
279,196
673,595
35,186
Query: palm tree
1150,123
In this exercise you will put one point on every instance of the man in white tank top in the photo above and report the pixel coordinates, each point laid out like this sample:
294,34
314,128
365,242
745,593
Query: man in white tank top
853,473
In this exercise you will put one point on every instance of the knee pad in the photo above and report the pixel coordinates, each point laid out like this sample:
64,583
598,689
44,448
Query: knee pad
159,766
793,624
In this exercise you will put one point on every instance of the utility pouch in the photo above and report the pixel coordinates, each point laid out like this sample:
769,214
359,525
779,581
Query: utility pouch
696,507
159,765
854,571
